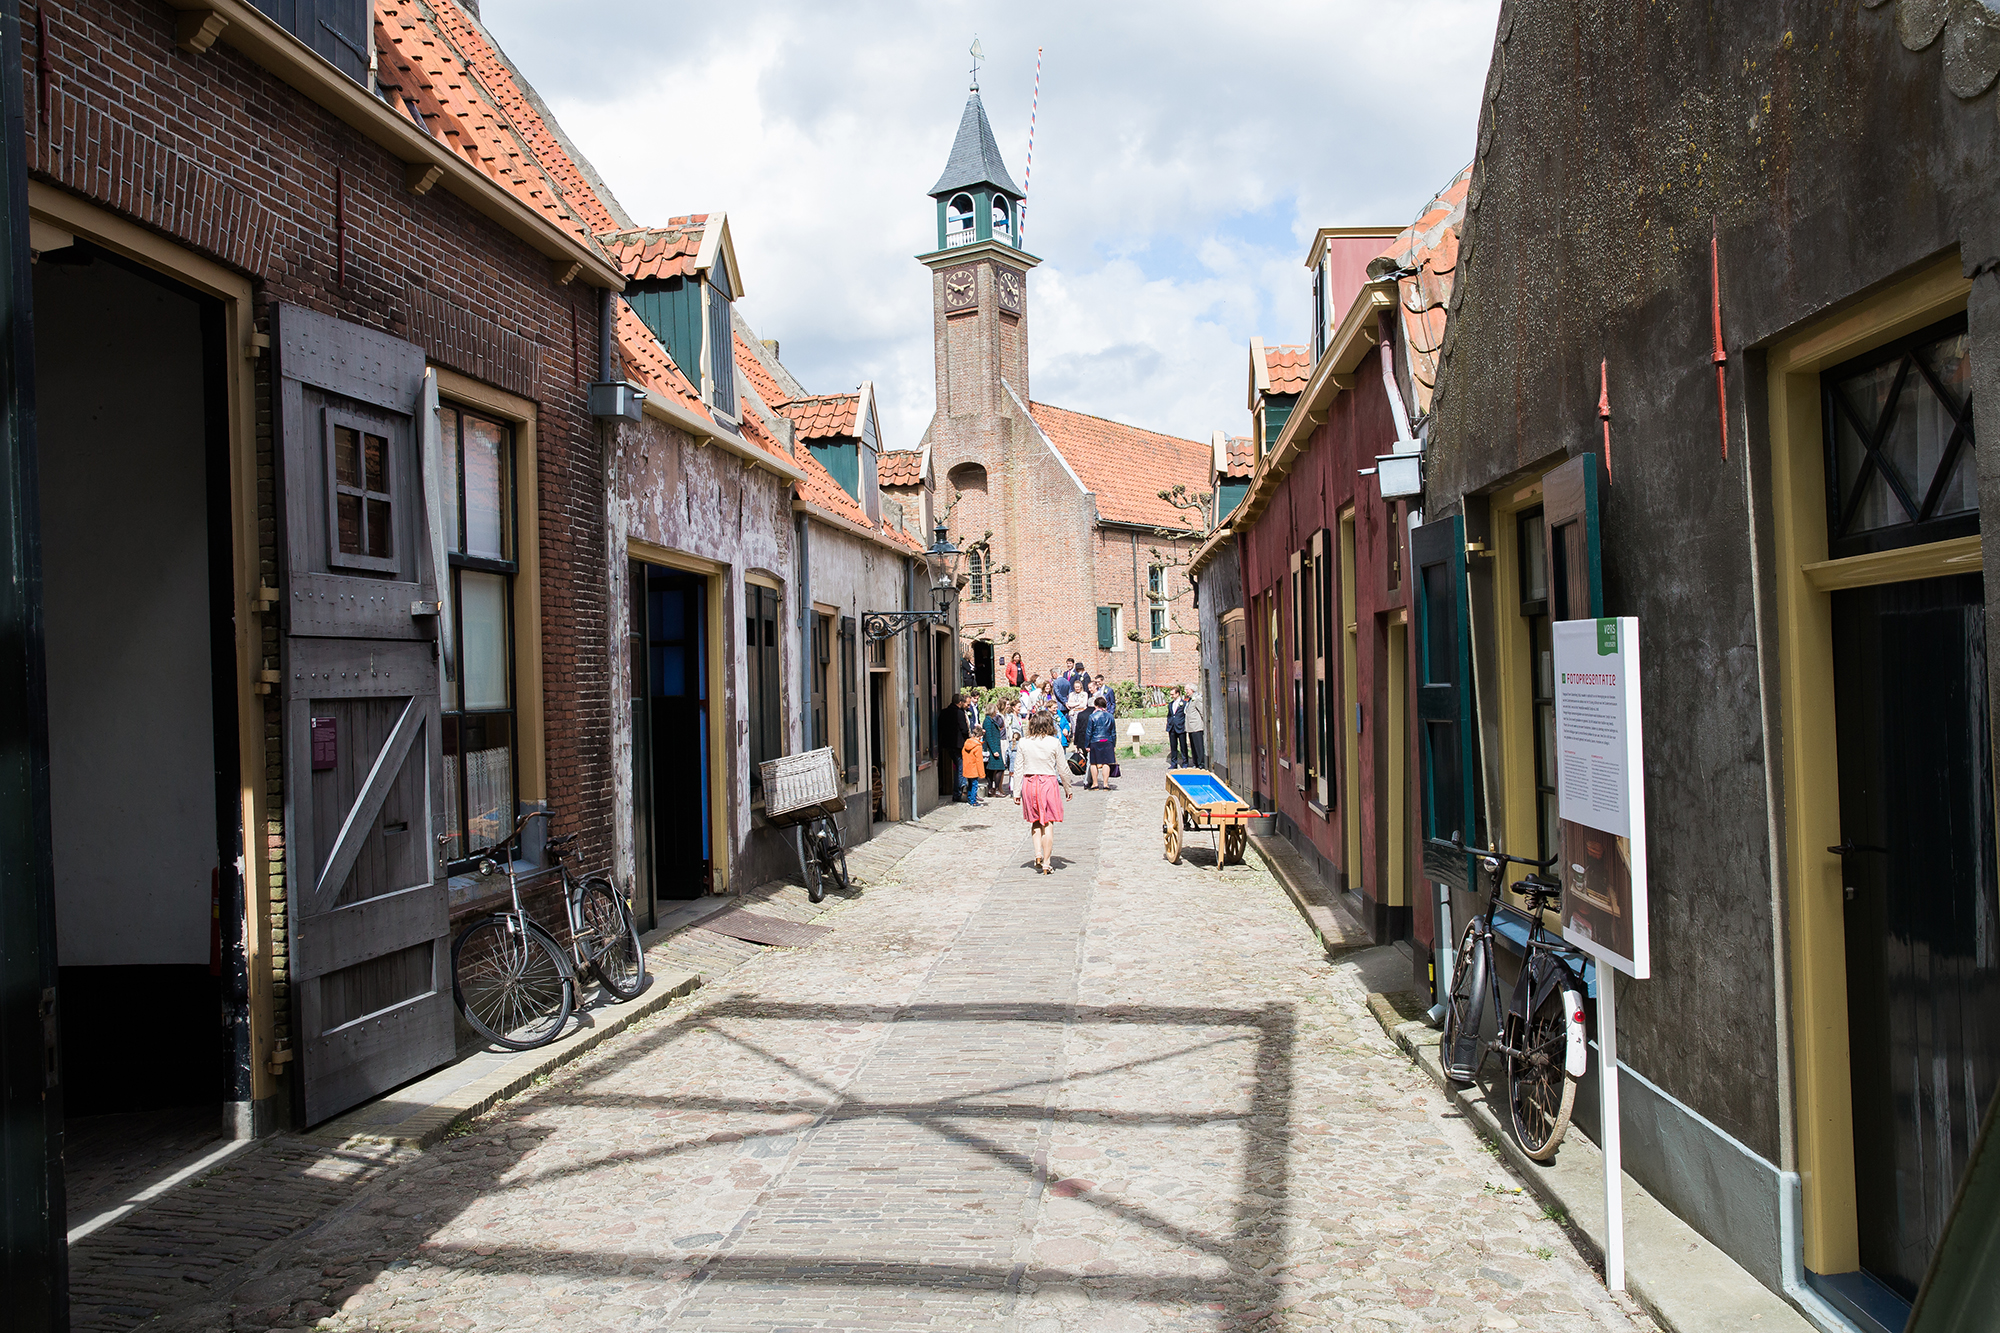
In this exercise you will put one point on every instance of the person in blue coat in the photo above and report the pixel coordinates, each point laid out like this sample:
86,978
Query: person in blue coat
1100,729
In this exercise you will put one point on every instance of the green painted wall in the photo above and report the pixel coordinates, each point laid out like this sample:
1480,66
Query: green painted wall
840,455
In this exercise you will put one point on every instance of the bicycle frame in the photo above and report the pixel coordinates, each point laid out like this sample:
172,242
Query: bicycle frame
574,961
1544,968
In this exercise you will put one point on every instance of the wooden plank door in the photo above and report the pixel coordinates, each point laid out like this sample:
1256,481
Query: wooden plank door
364,760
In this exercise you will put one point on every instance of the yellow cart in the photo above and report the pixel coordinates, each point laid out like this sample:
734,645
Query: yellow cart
1200,802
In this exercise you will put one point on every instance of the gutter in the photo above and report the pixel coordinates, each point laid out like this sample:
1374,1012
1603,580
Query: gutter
425,160
1207,550
702,428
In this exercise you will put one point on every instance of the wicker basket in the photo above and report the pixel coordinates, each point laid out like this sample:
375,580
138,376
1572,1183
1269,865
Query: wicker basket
798,787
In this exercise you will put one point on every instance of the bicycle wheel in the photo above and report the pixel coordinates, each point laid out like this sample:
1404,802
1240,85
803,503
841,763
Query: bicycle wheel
835,863
1541,1091
510,981
611,938
1460,1051
815,870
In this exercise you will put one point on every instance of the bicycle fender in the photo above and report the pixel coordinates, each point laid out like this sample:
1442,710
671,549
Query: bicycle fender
1578,1056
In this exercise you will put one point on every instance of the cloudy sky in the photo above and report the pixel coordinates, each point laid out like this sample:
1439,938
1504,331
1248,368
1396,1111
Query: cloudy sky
1184,157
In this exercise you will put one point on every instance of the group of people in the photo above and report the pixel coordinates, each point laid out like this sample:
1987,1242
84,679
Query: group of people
1023,747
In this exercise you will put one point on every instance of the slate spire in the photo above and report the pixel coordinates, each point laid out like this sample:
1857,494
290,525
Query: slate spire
975,157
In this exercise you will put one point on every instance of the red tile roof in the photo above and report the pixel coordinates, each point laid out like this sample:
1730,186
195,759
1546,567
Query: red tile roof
1430,246
900,467
820,489
1242,453
825,415
436,66
1125,467
644,253
1289,366
760,379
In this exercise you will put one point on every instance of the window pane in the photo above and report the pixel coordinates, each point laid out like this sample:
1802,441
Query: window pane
346,456
1534,561
482,600
378,527
488,758
374,450
448,478
1951,361
485,489
347,511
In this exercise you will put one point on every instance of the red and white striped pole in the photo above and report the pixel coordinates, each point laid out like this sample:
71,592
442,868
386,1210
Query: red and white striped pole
1034,109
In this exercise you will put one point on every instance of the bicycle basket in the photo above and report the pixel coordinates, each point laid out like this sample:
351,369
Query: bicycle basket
800,784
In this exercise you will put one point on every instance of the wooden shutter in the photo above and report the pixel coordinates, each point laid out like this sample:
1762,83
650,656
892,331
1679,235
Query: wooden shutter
1107,626
1326,628
1446,736
339,30
850,700
1569,515
364,761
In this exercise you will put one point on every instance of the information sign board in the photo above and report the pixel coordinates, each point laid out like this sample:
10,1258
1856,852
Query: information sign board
1600,792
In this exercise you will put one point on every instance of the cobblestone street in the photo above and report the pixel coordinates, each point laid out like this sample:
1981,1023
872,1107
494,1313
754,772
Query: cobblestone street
1126,1096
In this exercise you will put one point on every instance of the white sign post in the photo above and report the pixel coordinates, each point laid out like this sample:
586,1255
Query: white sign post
1601,800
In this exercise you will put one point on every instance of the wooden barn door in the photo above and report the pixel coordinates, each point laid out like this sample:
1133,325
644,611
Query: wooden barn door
364,768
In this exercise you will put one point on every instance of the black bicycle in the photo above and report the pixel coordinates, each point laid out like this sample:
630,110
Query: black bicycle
515,985
825,857
1540,1030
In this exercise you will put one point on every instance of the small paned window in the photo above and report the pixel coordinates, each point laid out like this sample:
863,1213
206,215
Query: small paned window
1156,580
480,772
979,586
1159,628
364,503
764,709
1899,444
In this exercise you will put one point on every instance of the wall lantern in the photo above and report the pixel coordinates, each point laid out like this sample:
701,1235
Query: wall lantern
943,557
1401,475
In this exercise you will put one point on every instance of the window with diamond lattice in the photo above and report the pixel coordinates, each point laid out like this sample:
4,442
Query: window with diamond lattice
1899,465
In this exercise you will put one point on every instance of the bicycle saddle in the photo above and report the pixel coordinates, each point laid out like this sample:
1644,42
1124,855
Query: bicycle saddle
1539,892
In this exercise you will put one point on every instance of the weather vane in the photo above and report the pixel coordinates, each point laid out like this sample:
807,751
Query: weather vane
978,54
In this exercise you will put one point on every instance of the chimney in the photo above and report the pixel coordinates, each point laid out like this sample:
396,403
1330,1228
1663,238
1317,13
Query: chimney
771,346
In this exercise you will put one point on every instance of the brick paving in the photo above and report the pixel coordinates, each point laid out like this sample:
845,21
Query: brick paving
1124,1097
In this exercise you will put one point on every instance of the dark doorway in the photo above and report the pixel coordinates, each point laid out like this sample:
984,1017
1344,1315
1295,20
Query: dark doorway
982,663
136,587
1922,912
676,796
878,692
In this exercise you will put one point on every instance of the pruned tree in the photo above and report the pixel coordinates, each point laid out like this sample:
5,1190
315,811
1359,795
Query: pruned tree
1201,506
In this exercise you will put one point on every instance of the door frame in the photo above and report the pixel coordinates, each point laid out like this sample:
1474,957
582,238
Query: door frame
714,577
1817,1129
243,347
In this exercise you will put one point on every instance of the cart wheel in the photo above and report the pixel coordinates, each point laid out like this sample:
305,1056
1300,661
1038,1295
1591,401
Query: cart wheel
1173,827
1234,842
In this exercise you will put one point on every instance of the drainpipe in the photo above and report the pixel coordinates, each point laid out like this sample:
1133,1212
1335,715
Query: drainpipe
605,296
1404,443
1792,1263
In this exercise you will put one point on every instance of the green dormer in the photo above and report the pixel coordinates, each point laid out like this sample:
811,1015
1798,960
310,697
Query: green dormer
976,199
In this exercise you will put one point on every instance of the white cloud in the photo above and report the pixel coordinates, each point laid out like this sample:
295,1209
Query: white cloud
1184,156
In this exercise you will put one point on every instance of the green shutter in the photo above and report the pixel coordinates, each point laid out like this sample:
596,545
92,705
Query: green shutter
1575,552
1447,738
1107,626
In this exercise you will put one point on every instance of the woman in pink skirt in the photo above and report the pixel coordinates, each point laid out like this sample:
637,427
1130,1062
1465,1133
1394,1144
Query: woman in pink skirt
1042,772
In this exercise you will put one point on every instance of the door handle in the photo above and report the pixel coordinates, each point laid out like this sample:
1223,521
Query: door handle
1846,847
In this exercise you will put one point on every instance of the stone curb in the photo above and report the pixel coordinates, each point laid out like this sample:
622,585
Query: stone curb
1680,1277
1334,926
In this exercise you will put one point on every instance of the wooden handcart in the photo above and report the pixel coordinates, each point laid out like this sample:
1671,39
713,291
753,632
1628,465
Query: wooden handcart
1200,802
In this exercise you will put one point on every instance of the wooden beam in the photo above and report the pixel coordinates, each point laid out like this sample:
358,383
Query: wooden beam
195,30
418,177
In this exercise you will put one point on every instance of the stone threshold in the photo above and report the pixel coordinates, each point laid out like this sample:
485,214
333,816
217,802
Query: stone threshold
1333,923
1680,1277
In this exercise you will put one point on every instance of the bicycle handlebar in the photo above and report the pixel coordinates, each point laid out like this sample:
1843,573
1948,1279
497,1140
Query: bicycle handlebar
1502,856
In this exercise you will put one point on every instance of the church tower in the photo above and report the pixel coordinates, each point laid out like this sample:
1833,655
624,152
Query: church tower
979,277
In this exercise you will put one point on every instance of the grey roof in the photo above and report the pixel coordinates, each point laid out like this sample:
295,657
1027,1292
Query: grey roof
975,158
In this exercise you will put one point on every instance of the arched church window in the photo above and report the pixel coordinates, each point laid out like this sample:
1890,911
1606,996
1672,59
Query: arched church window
1002,218
958,221
979,587
968,477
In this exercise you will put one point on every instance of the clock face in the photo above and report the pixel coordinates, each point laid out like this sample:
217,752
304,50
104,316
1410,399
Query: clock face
1010,291
960,289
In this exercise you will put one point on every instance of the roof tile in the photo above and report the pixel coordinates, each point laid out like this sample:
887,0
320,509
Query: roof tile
1126,468
823,416
900,467
1427,250
1289,366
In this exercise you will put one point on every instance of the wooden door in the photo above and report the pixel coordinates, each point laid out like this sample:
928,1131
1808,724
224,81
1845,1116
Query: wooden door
364,765
1922,908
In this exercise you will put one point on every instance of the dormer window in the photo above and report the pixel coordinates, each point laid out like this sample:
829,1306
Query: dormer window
1003,219
958,221
721,343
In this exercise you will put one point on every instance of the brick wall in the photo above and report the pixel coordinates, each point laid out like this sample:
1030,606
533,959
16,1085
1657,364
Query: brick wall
232,164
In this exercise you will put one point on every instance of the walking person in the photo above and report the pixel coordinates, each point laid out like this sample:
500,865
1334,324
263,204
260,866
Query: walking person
1177,729
972,762
1102,730
1194,724
1043,772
